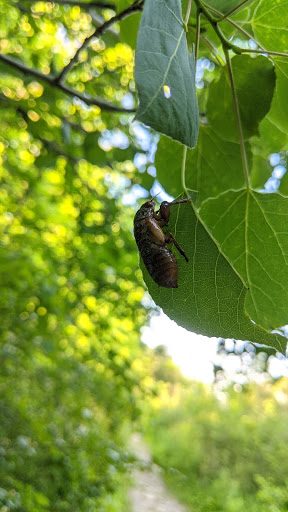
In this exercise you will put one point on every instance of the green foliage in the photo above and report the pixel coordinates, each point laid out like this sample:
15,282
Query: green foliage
211,276
70,300
165,73
269,24
72,381
234,220
237,455
211,167
259,222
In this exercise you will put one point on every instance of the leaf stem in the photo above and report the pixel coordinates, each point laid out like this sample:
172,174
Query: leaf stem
233,10
183,166
268,52
238,117
212,49
228,20
188,12
198,20
225,43
183,169
214,24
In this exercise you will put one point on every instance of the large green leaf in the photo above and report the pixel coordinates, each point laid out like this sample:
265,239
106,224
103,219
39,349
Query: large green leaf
255,81
270,21
214,166
165,73
210,296
252,229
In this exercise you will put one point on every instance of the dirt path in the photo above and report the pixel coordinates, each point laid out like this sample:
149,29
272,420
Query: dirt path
149,493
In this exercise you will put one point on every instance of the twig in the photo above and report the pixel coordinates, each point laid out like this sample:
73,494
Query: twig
198,20
225,43
233,10
97,19
231,22
214,24
136,6
22,8
268,52
212,49
89,100
14,103
249,36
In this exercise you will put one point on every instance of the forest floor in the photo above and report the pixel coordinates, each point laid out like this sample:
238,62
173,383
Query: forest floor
149,493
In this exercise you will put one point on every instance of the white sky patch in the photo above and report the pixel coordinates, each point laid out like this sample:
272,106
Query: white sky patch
195,354
192,352
167,91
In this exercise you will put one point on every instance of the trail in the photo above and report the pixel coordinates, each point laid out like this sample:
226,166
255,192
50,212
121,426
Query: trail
149,493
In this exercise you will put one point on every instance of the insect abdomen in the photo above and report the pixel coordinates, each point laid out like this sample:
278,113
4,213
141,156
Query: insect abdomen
156,255
159,261
162,266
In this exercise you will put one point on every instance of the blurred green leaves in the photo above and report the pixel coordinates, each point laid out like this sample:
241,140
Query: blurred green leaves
237,448
71,294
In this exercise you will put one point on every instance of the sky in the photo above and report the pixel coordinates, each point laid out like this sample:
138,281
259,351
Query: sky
193,353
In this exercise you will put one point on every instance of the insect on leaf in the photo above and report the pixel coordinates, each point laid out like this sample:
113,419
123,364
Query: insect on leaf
210,298
165,73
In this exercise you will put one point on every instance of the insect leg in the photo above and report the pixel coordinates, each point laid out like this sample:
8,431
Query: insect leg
171,240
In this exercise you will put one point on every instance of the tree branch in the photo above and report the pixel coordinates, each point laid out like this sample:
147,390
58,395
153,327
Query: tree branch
233,10
214,24
97,20
249,36
225,43
89,100
85,5
136,6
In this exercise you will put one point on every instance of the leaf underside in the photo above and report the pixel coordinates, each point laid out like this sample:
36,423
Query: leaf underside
165,73
252,230
210,297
